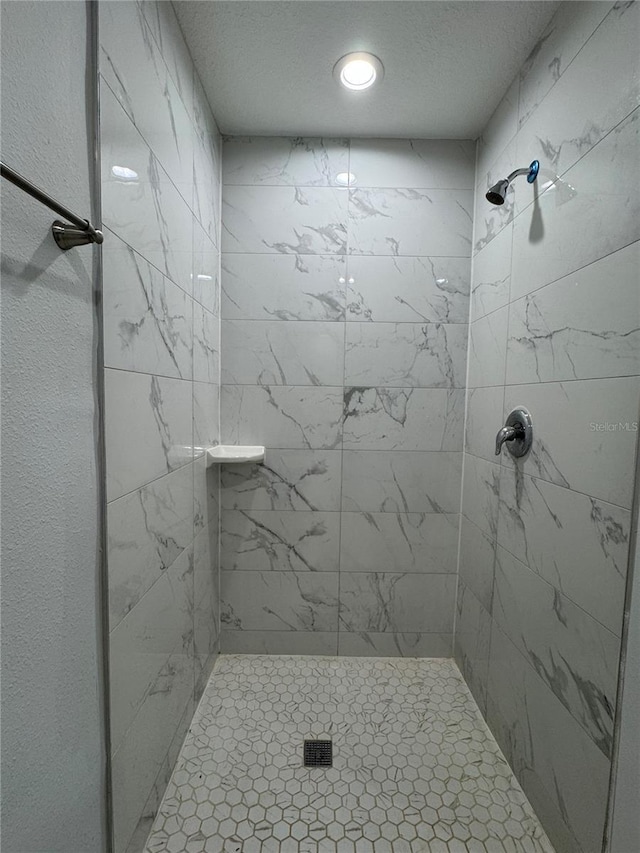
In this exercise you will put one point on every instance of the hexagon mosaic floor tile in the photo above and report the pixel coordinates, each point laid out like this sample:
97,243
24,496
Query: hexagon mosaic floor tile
415,770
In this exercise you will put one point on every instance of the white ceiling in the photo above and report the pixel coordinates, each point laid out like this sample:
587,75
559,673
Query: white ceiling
267,66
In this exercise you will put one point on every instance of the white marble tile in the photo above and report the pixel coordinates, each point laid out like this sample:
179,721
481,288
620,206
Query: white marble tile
133,67
492,275
205,272
206,345
472,643
286,418
206,499
607,71
147,318
280,601
563,38
562,231
408,290
584,326
147,428
206,601
410,222
147,211
279,642
572,653
553,752
499,130
382,602
142,643
398,542
283,287
397,481
575,542
488,349
481,485
285,220
418,163
279,540
265,352
206,416
287,480
147,530
422,355
206,185
390,645
403,419
477,562
490,219
142,754
483,421
284,161
602,414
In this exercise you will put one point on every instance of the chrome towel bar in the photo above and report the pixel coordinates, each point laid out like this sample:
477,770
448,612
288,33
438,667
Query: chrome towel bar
64,234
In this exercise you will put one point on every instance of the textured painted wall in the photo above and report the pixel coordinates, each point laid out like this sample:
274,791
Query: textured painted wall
343,352
161,188
556,328
52,740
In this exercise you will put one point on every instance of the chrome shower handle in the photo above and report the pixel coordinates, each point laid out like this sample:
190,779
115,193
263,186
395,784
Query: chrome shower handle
517,431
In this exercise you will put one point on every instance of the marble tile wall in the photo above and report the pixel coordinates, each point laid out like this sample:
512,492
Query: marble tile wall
555,326
345,291
161,212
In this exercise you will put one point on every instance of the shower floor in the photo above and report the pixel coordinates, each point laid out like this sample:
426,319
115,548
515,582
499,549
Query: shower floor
414,766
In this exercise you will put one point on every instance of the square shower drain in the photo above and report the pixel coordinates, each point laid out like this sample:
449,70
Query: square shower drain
318,753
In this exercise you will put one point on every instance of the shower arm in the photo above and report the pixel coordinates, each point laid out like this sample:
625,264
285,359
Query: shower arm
517,172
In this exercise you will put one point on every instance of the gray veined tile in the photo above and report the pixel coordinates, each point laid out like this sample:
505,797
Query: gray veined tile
603,417
573,654
562,232
382,602
480,490
418,163
538,519
284,161
483,420
288,480
206,345
490,219
205,273
398,542
499,131
206,598
283,287
279,642
279,601
488,349
265,352
423,355
471,643
148,428
576,328
403,419
147,318
206,501
279,540
285,220
492,275
557,763
147,529
206,416
147,212
282,417
477,562
608,69
410,222
388,645
206,186
141,644
408,290
397,481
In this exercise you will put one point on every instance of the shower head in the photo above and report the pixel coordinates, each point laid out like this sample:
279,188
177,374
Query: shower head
498,192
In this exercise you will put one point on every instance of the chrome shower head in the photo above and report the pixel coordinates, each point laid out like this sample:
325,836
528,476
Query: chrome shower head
498,192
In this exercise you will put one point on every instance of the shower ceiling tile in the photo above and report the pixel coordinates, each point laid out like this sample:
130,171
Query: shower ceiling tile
408,290
283,287
284,161
410,222
286,220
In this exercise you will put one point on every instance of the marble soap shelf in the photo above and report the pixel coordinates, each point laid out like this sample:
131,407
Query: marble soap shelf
225,453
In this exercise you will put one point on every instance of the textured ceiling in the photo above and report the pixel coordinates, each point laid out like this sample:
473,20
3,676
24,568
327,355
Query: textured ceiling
267,66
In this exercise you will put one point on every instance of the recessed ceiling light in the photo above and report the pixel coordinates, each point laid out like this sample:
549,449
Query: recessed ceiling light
358,71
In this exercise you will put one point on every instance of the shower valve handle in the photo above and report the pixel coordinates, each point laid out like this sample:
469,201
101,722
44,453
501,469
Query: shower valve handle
517,433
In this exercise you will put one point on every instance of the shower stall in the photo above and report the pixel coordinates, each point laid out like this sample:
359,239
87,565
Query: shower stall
425,594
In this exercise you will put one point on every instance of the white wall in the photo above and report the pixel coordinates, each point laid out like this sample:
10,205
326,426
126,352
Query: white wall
52,741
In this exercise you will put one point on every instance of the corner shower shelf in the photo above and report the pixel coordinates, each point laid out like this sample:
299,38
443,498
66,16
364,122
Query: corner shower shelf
234,453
